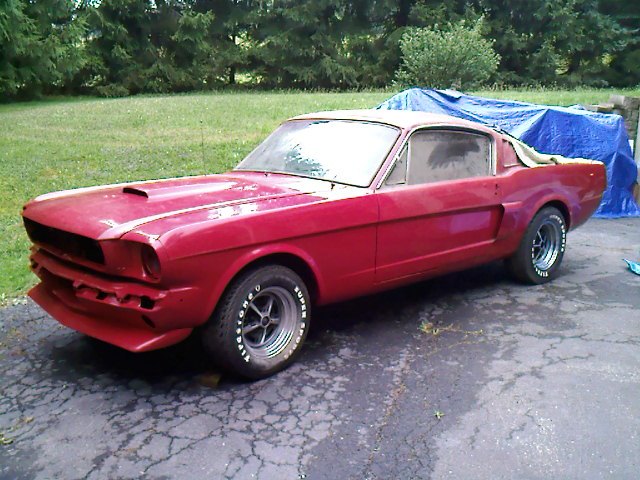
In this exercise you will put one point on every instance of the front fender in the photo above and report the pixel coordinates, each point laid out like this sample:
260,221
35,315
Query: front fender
241,261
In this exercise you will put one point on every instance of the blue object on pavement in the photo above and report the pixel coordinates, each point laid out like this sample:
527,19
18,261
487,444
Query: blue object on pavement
633,266
568,131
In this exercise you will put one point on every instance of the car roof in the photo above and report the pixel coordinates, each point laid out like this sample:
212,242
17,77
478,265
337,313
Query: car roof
405,119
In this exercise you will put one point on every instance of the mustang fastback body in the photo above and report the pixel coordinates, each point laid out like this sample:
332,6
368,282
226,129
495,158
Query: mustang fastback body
332,205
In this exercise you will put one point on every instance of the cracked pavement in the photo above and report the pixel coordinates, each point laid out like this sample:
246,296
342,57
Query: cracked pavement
462,377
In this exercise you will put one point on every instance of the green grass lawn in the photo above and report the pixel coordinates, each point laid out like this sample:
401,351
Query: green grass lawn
579,96
65,143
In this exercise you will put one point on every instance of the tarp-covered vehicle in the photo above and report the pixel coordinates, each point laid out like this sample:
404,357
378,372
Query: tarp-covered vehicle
331,206
569,131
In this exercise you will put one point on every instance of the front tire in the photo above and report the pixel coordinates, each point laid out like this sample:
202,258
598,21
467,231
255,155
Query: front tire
541,248
260,323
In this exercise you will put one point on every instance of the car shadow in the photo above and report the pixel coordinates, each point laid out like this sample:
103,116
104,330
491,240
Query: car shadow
84,356
345,315
186,364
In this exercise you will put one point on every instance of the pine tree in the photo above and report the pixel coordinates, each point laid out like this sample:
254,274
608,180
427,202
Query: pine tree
301,44
119,47
550,41
40,47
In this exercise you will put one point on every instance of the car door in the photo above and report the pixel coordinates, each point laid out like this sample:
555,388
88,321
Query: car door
439,204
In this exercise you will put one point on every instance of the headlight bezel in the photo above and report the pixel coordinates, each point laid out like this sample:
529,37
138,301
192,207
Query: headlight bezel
151,265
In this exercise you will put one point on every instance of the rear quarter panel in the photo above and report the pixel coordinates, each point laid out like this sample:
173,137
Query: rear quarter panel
575,188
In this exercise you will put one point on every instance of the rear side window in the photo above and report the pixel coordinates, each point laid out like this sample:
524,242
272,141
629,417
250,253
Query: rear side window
439,155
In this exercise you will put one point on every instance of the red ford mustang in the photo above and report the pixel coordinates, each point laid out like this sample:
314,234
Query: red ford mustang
330,206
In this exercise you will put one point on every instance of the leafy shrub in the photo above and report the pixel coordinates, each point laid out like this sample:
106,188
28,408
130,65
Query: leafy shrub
440,57
112,90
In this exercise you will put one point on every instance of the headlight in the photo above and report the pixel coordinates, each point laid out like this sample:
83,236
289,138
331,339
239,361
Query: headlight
150,262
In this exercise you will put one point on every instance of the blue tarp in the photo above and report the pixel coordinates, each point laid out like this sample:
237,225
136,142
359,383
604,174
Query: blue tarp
568,131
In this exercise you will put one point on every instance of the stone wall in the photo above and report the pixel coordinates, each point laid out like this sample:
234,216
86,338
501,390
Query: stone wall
629,108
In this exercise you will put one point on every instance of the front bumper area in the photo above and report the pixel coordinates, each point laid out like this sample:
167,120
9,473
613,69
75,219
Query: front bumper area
124,313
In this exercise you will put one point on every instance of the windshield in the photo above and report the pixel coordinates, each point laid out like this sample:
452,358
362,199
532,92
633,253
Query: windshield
342,151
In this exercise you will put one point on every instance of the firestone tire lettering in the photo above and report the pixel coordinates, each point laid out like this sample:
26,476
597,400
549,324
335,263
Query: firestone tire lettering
260,323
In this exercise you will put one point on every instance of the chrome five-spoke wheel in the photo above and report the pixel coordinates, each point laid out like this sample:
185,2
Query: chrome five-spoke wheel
270,322
547,245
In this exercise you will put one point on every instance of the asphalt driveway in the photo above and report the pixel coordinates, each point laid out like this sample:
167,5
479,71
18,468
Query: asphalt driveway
470,376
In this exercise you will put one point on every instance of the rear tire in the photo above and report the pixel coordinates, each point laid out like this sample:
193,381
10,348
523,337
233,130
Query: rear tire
541,248
260,323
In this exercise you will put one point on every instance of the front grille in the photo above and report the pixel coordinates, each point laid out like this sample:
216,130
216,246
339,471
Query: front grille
64,242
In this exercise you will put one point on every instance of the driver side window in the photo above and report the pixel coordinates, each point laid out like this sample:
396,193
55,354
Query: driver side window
440,155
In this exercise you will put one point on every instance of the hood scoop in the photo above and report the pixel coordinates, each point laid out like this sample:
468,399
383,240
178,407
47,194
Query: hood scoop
135,191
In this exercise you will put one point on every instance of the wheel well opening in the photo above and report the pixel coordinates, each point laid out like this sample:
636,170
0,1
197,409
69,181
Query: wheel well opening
298,265
563,210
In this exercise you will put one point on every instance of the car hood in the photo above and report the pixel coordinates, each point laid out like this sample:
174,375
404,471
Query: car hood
110,211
